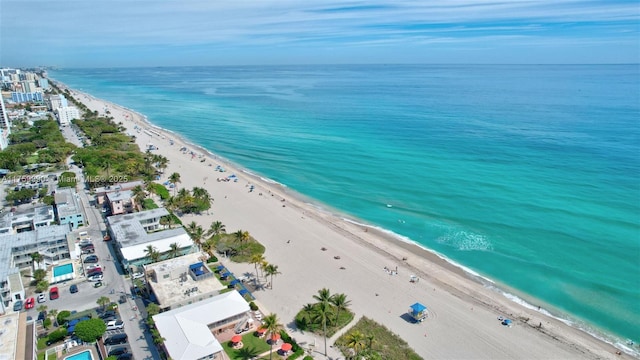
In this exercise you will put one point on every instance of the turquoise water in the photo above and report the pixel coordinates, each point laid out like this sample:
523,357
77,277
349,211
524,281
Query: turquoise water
529,175
62,270
85,355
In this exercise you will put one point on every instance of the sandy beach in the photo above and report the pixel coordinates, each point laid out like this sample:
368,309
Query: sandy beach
463,321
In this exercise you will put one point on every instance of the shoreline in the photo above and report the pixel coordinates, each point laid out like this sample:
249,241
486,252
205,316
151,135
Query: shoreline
439,270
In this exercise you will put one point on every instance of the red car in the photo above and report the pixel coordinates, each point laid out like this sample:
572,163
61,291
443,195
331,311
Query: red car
29,303
53,293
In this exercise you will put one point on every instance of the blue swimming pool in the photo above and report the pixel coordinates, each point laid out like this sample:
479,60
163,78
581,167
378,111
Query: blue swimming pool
62,270
85,355
62,273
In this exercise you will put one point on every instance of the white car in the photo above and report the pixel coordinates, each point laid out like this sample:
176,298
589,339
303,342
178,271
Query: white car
137,275
42,297
115,324
257,314
95,278
93,266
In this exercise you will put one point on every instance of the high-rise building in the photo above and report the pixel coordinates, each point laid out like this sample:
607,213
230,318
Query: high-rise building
56,101
66,114
43,83
5,126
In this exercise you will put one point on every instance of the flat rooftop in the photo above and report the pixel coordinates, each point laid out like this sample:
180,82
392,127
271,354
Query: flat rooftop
120,186
36,214
173,290
67,202
9,336
120,195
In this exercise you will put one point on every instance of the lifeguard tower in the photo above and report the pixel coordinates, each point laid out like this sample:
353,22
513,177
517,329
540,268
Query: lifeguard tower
418,312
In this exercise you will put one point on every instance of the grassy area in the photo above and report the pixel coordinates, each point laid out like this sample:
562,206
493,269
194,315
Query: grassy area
304,322
252,347
238,251
377,339
149,204
41,354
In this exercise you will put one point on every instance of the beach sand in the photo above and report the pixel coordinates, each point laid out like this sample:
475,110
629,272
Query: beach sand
463,314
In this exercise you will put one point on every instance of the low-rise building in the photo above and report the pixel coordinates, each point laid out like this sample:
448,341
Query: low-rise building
50,241
134,233
121,202
181,281
68,207
188,331
15,222
67,113
101,192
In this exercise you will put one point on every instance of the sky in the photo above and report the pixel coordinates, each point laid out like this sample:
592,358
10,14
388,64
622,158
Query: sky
120,33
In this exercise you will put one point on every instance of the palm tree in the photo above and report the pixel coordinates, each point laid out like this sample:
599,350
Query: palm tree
36,257
54,314
273,326
271,270
241,237
138,195
370,341
308,310
323,311
197,236
216,228
175,179
208,246
255,260
191,227
174,250
324,296
42,308
152,253
39,275
103,301
355,341
340,302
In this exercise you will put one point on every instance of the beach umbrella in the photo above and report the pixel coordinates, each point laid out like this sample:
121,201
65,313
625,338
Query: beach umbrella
226,273
220,267
286,347
275,337
236,339
262,330
234,282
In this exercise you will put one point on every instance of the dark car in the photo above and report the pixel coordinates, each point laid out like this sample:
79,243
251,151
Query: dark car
116,339
125,356
91,259
73,288
42,315
118,351
107,314
122,299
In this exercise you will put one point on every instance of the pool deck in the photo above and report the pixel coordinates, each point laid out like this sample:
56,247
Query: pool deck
78,349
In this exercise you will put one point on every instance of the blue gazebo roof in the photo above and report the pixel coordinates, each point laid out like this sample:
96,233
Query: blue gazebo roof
417,307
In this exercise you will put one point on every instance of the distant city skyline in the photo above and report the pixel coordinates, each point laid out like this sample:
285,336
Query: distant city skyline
118,33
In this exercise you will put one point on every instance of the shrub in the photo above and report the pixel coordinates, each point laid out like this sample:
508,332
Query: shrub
57,335
62,316
253,306
90,330
46,323
307,358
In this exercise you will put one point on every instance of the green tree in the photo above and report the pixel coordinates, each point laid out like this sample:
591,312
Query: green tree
59,318
153,309
273,326
103,301
175,180
322,313
256,260
42,286
271,270
90,330
39,275
37,259
216,228
355,342
197,236
152,253
42,308
138,195
341,303
174,250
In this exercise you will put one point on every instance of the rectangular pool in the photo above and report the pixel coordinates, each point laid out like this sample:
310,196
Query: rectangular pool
85,355
62,273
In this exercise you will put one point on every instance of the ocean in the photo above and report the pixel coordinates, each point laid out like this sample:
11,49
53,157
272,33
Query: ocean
527,175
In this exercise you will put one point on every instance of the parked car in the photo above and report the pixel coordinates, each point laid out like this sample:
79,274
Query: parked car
97,284
42,297
53,293
73,288
118,351
91,259
137,275
94,270
122,299
96,277
86,245
115,324
88,251
93,266
116,339
29,303
17,306
42,315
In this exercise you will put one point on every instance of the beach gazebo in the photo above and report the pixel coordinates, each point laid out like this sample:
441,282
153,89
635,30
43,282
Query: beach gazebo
418,312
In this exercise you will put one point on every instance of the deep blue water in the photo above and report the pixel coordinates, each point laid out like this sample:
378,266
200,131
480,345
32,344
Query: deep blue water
529,175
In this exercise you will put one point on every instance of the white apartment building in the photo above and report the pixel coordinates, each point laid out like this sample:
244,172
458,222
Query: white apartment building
66,114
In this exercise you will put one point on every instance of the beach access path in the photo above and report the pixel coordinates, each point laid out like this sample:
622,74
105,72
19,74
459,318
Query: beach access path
463,314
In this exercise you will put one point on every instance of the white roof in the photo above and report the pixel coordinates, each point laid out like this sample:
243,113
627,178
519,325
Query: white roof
186,329
162,245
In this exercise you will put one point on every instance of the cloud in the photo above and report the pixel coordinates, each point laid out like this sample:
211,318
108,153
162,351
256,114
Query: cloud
74,25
